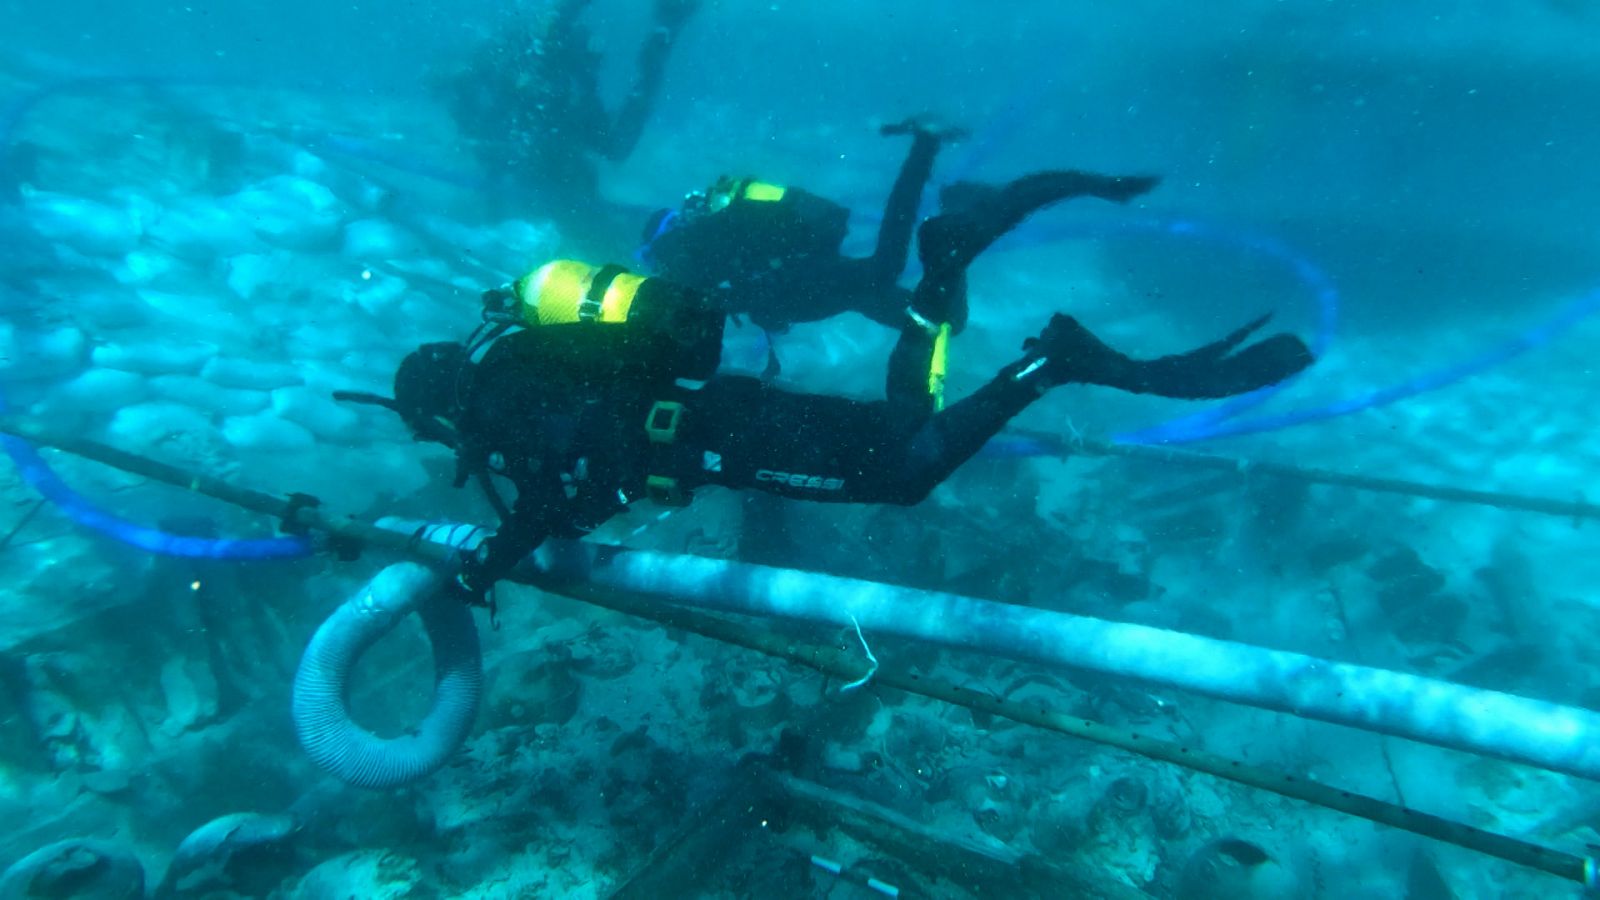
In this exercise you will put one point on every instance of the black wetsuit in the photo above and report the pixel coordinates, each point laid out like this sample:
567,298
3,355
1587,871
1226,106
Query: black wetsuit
576,446
751,259
578,450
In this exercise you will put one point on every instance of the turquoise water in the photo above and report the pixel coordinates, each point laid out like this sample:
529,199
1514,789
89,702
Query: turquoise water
215,216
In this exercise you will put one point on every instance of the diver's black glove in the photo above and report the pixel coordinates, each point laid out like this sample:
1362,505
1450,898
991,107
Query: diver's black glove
471,584
926,126
1067,352
674,14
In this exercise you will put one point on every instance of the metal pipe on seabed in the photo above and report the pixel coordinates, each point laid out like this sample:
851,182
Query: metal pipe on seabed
1490,723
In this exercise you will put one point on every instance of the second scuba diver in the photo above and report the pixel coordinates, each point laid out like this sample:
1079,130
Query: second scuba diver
772,253
597,387
529,101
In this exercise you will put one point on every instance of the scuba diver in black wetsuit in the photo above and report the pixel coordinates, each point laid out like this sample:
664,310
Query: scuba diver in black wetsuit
772,253
592,404
530,102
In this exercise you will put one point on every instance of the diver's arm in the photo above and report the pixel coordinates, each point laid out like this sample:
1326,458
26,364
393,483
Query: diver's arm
905,200
540,507
628,124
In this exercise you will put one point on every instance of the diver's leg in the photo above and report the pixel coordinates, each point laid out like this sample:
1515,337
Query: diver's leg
1067,353
951,241
887,307
917,364
752,436
905,199
944,441
832,449
948,243
628,124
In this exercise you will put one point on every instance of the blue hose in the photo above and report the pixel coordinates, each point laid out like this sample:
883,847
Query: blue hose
321,706
39,476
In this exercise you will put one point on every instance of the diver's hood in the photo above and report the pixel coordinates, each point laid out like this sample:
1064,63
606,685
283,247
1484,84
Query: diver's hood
428,381
429,390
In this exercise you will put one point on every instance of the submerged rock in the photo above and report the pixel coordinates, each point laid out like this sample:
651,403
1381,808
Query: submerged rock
85,225
142,267
379,239
1415,599
99,307
533,688
42,355
245,853
249,272
191,692
204,313
201,231
81,869
201,394
256,375
318,413
291,212
1231,868
165,358
147,424
265,431
376,295
369,874
100,390
1118,836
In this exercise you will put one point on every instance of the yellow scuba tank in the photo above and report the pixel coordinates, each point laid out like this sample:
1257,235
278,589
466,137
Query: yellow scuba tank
566,291
592,321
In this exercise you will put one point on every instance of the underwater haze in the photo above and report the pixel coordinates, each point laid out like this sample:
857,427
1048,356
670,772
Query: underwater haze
1303,613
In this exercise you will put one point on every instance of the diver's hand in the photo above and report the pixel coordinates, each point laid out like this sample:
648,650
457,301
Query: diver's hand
926,125
674,14
470,584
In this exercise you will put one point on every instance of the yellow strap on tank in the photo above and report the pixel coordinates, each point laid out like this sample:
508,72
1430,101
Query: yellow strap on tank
938,365
762,192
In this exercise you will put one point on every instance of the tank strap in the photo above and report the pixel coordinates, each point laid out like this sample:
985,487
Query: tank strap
594,298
